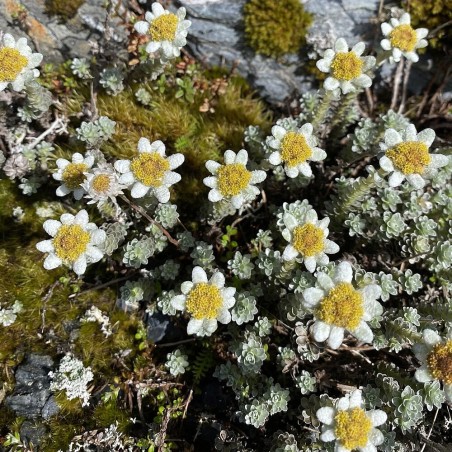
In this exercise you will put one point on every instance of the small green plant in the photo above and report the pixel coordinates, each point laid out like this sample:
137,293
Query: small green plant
63,8
274,28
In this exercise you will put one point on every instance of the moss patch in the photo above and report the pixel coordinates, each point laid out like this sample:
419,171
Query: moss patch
65,9
274,28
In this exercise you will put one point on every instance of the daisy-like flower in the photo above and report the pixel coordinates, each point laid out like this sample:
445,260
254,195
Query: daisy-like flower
168,31
338,307
294,149
73,174
347,67
232,181
207,301
308,239
75,242
407,157
435,355
350,425
17,63
402,38
151,171
102,184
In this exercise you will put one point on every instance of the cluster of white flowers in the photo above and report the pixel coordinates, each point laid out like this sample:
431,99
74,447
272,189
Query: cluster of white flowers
73,378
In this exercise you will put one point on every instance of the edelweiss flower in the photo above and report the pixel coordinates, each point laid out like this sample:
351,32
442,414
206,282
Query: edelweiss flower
337,306
17,63
295,149
232,181
435,355
73,174
168,31
151,171
347,68
75,242
402,38
308,239
102,184
407,156
350,425
208,302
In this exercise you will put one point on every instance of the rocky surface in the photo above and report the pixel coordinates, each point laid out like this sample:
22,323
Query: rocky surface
55,38
216,37
32,397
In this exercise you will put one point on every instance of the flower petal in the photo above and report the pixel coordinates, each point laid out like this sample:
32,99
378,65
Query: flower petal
312,296
326,415
198,275
378,417
52,261
51,227
217,279
336,337
321,331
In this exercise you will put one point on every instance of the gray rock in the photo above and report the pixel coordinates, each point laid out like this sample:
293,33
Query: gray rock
55,39
216,37
32,433
32,397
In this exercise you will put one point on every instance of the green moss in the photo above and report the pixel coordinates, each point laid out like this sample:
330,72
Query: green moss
66,9
109,413
432,14
274,28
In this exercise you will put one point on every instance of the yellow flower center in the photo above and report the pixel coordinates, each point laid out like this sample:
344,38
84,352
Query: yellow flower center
410,157
101,183
295,149
204,301
343,306
164,27
149,168
404,38
346,66
232,179
70,242
11,64
308,240
73,175
352,428
439,362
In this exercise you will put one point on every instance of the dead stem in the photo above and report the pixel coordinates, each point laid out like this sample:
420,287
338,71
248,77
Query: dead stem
150,219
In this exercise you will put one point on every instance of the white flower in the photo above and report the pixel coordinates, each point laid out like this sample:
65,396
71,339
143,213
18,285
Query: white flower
347,68
350,426
75,242
402,38
338,307
295,149
17,63
102,184
151,171
308,239
207,302
407,156
435,355
168,31
232,181
73,174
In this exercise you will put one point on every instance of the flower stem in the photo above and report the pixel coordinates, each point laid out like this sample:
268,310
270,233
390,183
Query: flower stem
150,219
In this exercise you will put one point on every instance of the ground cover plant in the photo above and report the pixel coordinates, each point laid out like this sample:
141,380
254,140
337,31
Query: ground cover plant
195,270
